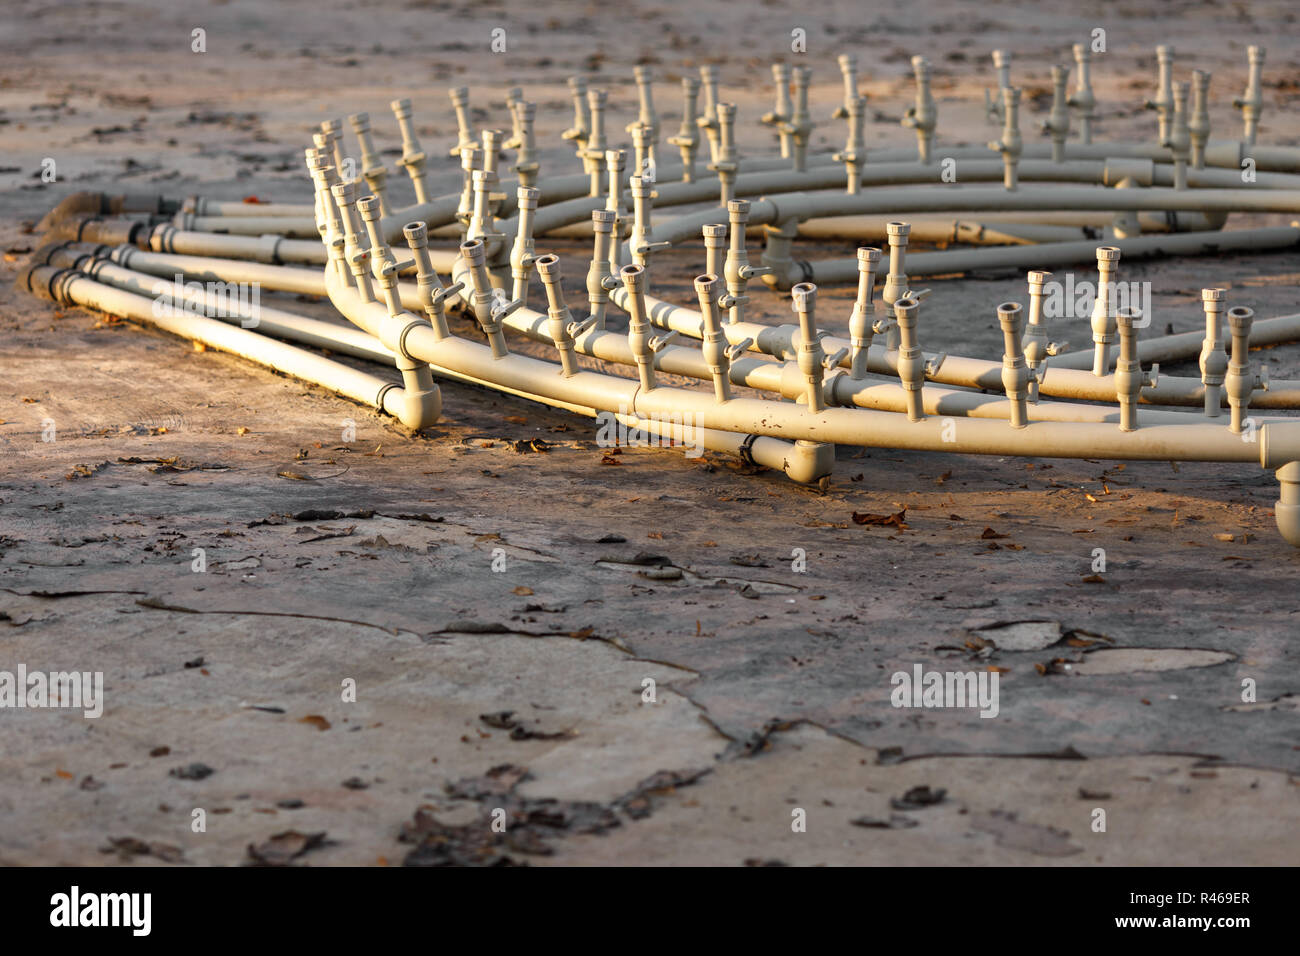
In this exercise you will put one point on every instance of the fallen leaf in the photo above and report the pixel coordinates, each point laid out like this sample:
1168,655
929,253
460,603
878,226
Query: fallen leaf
897,519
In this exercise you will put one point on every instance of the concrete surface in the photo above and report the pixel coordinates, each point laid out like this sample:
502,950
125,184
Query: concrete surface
371,561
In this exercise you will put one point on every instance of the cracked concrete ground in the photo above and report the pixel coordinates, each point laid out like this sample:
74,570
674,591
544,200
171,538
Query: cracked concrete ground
674,690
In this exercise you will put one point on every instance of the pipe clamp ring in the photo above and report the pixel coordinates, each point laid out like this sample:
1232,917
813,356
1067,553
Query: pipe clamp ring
379,399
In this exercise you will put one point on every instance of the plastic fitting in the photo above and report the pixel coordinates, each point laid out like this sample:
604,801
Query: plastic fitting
1103,318
911,362
600,279
1129,377
372,167
1240,382
1252,101
1083,99
854,153
526,165
1011,146
862,324
471,159
1213,360
464,132
849,71
640,241
736,270
800,126
715,245
1015,372
616,200
594,151
1057,124
780,115
687,139
896,280
559,319
522,252
1036,347
642,149
489,304
811,354
639,339
1179,142
717,355
924,116
432,294
1198,124
1163,104
356,244
726,164
413,158
647,116
994,100
708,120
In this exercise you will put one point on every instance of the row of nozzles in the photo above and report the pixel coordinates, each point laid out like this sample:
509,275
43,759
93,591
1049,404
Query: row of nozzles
1184,131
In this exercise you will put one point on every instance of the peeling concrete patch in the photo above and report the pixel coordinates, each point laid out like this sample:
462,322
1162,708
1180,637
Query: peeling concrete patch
1020,635
1127,660
1011,833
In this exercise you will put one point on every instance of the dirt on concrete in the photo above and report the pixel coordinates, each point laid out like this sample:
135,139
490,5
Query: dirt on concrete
383,644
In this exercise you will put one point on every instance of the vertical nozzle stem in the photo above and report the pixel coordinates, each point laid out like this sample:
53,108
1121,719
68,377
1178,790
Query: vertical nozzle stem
558,315
417,238
810,347
484,297
1083,99
638,329
1253,101
1015,372
687,139
862,328
1103,315
714,345
522,255
1239,381
413,157
1129,377
1198,125
600,278
1213,360
911,362
372,167
464,133
1034,341
709,120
